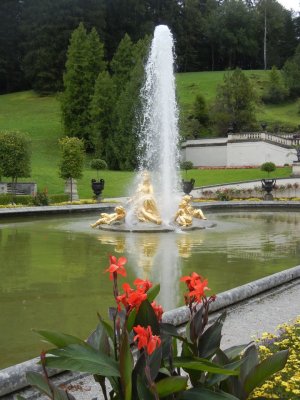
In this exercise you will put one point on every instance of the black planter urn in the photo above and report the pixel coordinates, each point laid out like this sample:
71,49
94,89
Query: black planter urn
268,185
97,187
188,186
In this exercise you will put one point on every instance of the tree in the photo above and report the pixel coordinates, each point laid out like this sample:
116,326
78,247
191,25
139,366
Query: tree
101,113
122,63
271,28
72,159
291,73
235,102
275,91
268,167
15,155
98,164
46,27
84,62
122,142
11,74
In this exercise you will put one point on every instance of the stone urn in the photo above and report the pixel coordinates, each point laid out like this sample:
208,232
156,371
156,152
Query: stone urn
97,187
188,186
268,185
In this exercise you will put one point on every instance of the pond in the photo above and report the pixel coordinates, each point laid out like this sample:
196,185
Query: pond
52,268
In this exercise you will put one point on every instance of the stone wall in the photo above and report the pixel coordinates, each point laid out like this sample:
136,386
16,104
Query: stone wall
236,150
27,188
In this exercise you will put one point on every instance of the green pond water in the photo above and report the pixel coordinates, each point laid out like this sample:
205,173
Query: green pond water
52,268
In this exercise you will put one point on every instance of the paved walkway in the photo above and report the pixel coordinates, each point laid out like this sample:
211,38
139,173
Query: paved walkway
245,321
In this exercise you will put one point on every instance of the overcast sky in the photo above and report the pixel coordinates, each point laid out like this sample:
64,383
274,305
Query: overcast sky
294,4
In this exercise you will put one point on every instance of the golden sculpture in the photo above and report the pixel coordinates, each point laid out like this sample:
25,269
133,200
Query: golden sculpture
182,216
196,213
108,219
186,212
144,204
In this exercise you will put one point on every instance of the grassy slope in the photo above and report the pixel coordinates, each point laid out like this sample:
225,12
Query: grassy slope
40,117
192,83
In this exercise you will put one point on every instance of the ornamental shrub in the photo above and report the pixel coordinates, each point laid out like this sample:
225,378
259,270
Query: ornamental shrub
58,198
268,167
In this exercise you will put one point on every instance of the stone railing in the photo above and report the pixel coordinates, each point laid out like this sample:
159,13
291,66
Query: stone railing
288,140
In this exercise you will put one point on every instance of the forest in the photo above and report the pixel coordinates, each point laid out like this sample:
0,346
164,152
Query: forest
209,34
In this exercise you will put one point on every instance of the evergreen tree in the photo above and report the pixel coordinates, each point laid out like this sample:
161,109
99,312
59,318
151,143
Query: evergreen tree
275,91
122,142
11,75
101,111
46,27
235,102
122,63
84,62
291,73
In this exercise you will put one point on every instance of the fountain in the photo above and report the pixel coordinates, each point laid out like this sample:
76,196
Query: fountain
156,203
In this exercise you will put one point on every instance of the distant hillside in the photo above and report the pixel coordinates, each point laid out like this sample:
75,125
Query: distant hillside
40,117
193,83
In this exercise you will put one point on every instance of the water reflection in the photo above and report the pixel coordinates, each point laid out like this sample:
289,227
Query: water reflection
52,268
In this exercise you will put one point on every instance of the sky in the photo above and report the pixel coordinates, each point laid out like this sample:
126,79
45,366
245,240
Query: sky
294,4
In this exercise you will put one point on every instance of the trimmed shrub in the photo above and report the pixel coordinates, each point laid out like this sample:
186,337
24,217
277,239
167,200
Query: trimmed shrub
58,198
25,200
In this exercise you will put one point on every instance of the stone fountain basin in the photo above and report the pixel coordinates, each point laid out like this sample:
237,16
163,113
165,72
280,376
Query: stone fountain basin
149,227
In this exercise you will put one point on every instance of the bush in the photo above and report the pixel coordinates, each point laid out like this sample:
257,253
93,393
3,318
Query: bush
58,198
98,164
6,199
186,165
268,167
41,199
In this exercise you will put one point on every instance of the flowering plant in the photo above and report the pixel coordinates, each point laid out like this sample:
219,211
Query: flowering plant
140,356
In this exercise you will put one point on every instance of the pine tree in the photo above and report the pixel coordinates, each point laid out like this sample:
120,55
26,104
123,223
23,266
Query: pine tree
275,91
122,63
235,102
84,62
122,143
101,111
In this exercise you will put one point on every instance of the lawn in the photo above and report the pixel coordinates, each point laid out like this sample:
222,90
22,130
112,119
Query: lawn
40,118
192,83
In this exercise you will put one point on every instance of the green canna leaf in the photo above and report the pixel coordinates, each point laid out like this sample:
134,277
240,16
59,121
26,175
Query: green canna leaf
60,339
265,369
76,357
40,382
206,394
171,385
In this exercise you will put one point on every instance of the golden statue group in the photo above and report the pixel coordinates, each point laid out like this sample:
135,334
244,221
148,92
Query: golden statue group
146,210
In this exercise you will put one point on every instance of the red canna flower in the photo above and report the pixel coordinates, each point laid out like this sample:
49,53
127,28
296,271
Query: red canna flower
192,280
145,339
196,286
116,266
143,284
131,298
158,310
199,291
